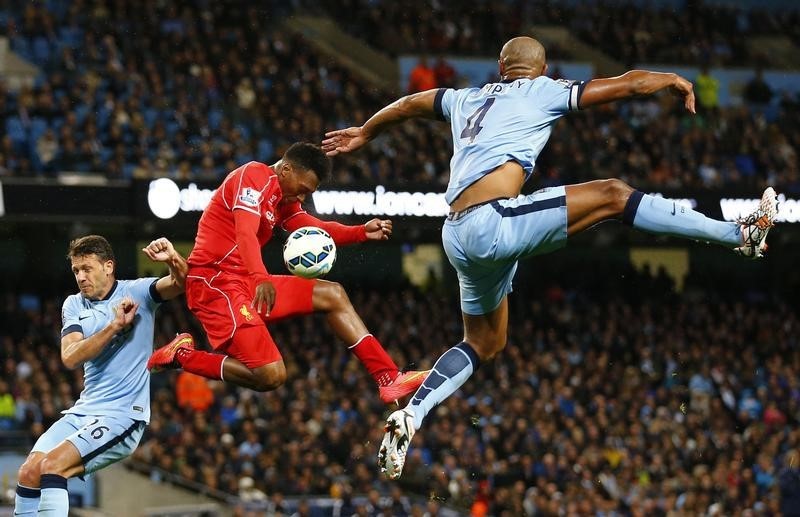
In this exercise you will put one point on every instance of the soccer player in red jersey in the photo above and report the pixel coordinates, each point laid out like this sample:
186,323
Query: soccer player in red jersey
230,291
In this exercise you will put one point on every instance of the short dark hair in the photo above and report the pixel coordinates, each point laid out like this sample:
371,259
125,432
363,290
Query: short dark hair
91,245
310,157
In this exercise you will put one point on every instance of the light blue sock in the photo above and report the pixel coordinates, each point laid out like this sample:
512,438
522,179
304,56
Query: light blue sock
451,370
662,216
26,502
55,499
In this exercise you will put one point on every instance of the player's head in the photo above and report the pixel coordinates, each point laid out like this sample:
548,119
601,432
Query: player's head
93,262
522,57
301,170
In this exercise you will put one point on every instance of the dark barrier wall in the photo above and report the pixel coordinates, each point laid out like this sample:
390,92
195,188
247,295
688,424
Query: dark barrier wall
179,205
39,219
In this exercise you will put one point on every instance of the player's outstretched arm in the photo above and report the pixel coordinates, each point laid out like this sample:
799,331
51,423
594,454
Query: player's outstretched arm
295,217
636,83
417,105
162,250
76,350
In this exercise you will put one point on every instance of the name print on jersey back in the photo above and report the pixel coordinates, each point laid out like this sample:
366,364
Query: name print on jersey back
501,122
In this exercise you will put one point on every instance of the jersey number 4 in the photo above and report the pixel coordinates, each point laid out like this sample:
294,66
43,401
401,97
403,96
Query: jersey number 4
474,126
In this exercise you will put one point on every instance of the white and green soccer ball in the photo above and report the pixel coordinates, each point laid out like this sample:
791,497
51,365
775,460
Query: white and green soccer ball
309,252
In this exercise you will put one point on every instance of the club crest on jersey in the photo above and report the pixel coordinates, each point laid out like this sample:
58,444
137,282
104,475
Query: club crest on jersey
250,197
244,312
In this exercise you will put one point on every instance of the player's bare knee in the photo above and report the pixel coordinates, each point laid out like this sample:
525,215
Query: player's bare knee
487,349
53,465
330,296
270,379
339,295
616,193
497,346
29,472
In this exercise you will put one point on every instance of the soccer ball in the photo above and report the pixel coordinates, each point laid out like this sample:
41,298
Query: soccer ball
309,252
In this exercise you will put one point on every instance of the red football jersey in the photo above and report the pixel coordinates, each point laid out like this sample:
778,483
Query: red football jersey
254,188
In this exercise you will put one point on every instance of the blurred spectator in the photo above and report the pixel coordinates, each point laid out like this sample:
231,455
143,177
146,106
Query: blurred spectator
248,492
422,77
47,149
707,90
757,91
344,505
303,509
789,483
445,74
251,447
245,94
8,409
192,391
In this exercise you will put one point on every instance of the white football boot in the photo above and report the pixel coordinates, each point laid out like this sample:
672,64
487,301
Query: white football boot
399,431
756,226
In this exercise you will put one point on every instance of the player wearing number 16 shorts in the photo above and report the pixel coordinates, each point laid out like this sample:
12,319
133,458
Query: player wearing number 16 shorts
107,328
234,297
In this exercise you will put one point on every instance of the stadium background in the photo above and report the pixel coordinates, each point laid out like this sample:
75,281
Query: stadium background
643,376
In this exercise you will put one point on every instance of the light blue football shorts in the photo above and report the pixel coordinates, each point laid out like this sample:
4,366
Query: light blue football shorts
101,440
485,244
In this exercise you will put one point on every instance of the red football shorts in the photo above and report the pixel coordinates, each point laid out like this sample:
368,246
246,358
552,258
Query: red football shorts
222,302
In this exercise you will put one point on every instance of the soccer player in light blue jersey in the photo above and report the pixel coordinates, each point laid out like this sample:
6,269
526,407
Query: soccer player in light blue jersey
108,328
498,132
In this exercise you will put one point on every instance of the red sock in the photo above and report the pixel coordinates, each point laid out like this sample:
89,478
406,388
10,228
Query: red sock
369,351
205,364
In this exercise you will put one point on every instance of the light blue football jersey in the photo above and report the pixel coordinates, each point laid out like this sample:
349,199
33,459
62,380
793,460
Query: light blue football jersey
116,382
501,122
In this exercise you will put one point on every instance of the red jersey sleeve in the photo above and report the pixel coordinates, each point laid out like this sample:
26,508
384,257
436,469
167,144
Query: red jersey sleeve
248,246
248,196
293,217
248,191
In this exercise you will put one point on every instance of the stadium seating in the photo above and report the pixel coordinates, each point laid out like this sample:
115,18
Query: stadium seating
629,31
180,115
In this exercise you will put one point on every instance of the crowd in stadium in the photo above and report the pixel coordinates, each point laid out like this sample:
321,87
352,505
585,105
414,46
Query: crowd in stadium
604,400
633,32
232,93
701,412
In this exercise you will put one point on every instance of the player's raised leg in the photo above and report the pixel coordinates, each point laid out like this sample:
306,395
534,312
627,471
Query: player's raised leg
596,201
331,298
251,359
485,335
247,355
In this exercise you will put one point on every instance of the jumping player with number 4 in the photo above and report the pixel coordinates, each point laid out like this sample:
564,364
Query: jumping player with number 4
107,328
498,132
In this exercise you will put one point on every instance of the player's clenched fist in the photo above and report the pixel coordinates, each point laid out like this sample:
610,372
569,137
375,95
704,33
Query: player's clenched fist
159,250
378,229
124,313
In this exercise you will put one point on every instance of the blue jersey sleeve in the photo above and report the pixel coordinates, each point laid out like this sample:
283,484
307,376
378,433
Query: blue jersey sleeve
143,291
557,97
70,312
443,103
